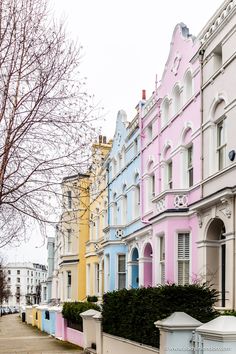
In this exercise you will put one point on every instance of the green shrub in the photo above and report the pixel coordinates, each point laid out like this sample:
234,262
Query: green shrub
92,298
131,313
228,313
72,310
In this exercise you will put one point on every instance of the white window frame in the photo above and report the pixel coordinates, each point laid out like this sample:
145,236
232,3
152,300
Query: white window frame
88,276
165,111
221,145
68,285
107,269
69,199
169,181
179,232
190,167
188,86
124,209
96,278
69,241
118,272
162,259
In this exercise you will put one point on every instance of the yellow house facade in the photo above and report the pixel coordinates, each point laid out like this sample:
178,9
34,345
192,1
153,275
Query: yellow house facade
73,234
97,219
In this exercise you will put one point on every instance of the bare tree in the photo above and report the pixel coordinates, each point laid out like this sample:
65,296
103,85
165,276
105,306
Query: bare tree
45,114
4,290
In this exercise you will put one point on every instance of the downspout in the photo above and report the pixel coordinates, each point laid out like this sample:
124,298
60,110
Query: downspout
140,116
201,55
108,197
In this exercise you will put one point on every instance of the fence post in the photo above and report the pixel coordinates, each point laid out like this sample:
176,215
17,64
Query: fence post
218,335
176,333
89,328
98,327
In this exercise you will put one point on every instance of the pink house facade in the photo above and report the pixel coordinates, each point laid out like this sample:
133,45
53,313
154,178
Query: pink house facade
165,249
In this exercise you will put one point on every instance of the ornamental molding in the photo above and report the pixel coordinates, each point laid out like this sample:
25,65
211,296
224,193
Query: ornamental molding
224,12
227,210
176,63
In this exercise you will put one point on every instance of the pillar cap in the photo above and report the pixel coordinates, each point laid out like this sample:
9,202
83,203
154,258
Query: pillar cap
89,313
221,326
178,321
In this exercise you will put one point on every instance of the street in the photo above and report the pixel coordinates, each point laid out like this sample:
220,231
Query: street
19,338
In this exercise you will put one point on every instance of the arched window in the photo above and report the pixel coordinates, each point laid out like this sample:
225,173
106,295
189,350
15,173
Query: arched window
114,167
150,184
136,196
187,153
165,111
169,174
216,252
97,224
176,99
217,137
114,210
124,205
188,86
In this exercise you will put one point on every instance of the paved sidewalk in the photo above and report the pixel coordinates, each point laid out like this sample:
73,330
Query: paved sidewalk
19,338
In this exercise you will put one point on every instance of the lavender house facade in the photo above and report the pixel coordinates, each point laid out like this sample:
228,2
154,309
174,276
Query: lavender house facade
216,205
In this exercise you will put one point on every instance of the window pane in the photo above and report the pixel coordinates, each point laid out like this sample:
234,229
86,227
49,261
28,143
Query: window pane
183,258
121,263
121,281
220,133
190,177
69,199
162,248
170,175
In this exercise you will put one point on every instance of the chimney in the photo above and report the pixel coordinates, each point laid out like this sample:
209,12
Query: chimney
104,139
100,139
143,94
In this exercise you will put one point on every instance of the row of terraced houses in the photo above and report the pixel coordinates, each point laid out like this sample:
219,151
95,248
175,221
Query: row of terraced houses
158,202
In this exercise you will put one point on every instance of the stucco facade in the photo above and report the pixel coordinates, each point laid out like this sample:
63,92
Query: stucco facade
123,201
72,235
98,218
24,281
216,207
171,168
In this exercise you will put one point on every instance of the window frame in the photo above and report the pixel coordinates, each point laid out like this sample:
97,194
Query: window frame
69,199
69,283
121,272
221,145
162,252
185,259
170,175
190,166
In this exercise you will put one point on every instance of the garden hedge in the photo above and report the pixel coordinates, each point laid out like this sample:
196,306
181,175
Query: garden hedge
72,310
131,313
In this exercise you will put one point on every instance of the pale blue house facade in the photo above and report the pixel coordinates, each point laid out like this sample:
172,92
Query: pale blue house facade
123,177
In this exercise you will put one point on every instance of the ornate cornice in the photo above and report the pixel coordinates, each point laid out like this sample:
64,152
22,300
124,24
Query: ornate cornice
220,16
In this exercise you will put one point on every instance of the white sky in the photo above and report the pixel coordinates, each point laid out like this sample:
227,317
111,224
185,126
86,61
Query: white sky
125,44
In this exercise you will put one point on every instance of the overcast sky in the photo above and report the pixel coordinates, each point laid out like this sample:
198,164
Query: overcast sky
125,45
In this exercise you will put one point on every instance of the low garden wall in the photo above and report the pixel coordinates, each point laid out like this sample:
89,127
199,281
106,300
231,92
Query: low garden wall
63,332
117,345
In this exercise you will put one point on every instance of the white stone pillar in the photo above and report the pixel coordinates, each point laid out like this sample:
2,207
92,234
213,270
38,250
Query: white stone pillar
90,328
141,271
129,274
219,335
98,331
176,333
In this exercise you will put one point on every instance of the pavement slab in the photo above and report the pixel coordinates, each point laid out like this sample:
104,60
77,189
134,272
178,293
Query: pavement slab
17,337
